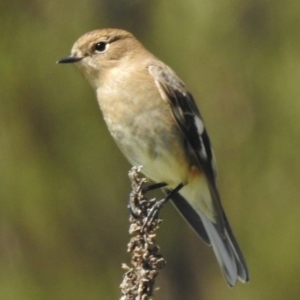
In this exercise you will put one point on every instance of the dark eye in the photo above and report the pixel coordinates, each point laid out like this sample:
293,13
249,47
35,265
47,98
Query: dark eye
100,47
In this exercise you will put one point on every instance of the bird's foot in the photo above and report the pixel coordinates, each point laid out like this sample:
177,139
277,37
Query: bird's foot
154,211
133,207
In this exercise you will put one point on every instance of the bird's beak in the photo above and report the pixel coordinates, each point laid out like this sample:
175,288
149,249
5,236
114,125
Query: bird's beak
69,59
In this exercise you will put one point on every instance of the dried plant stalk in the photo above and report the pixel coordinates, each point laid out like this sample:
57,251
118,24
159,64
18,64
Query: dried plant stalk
139,280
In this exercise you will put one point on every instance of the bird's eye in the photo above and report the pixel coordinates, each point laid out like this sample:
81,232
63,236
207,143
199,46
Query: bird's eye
100,47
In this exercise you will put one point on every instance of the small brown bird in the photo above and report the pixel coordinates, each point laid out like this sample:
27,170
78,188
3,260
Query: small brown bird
155,122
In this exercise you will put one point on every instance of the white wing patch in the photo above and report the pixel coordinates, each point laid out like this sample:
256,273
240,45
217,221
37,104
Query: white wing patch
200,129
199,125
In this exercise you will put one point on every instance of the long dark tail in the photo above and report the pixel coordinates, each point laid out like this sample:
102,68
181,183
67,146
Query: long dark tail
226,249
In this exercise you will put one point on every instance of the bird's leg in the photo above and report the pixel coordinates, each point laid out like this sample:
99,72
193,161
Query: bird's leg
132,206
152,187
159,204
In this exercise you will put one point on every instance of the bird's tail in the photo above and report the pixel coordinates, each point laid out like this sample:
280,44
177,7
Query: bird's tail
226,249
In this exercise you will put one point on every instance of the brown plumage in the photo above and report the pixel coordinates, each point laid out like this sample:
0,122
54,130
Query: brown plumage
156,123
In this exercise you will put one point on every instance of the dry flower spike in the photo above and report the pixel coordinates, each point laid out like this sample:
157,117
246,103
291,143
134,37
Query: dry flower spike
139,280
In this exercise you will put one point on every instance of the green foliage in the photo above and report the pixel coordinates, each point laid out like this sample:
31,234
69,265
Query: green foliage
63,182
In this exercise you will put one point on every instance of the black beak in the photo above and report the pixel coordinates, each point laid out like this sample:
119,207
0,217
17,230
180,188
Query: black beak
69,59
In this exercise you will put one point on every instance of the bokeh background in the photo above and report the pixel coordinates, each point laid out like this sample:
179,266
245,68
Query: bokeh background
63,182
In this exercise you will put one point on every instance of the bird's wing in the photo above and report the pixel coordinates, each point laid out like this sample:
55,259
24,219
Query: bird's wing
218,232
190,122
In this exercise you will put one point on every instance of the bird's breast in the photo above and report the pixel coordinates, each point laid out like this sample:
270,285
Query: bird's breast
143,126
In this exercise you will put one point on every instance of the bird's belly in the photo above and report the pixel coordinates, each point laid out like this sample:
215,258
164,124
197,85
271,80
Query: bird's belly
147,134
163,167
160,152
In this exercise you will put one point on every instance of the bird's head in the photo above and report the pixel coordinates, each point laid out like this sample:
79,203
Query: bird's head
100,50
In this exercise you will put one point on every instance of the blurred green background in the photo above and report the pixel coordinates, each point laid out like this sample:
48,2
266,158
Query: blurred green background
63,182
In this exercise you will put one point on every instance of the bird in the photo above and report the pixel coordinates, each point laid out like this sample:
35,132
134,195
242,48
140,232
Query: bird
154,119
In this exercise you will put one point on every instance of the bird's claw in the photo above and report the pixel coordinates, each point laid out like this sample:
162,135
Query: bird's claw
153,213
